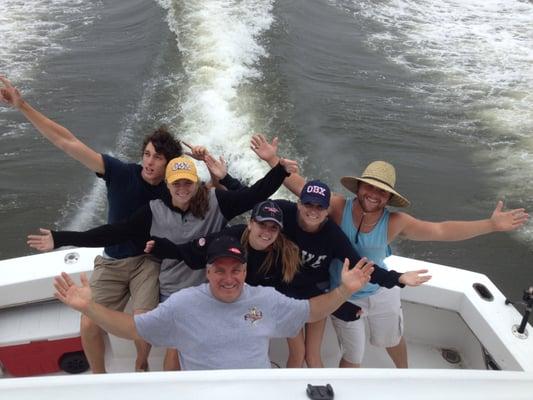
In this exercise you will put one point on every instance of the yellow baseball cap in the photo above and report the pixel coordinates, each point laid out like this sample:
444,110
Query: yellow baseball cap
181,168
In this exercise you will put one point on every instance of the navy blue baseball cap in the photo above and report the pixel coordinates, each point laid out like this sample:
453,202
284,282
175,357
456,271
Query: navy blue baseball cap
268,211
225,247
316,192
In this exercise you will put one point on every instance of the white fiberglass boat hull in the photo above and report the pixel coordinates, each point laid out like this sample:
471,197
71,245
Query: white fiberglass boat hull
290,384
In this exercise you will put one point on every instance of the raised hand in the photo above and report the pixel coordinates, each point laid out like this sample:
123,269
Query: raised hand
217,168
42,242
508,220
414,278
290,166
9,94
77,297
354,279
265,151
197,152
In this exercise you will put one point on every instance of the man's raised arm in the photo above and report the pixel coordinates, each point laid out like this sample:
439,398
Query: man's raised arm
58,135
80,298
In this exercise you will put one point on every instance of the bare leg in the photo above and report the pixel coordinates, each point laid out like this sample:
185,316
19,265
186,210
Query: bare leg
296,351
143,350
398,354
172,361
92,339
314,332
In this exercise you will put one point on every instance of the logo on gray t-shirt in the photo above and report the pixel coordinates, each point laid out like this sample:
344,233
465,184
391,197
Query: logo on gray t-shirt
253,315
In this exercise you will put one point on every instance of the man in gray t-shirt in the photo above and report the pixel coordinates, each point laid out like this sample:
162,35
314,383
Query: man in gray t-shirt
223,324
207,331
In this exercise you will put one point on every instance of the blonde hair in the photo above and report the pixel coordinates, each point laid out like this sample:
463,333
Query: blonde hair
282,247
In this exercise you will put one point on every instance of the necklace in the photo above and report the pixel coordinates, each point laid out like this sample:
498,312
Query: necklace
364,215
370,224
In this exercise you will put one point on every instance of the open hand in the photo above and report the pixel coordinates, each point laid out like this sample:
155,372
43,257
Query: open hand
265,151
77,297
42,242
414,278
508,220
354,279
217,168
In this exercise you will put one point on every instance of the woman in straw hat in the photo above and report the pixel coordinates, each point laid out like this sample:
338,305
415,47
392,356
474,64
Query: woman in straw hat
371,227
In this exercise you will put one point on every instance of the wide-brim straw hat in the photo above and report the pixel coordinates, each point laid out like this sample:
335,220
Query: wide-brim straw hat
382,175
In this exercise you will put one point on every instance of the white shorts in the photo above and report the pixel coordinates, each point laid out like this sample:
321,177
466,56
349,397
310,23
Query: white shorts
384,317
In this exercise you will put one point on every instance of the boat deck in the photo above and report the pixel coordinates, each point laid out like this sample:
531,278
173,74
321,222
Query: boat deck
444,316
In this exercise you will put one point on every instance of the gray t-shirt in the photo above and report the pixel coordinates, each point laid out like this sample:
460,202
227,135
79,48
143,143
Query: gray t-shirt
175,275
211,334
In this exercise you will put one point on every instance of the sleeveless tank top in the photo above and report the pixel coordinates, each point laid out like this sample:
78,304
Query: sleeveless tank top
372,245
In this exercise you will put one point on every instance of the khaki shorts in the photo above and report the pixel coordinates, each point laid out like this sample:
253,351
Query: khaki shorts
383,313
114,281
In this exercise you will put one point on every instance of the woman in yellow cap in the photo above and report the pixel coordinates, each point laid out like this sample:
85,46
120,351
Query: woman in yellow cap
189,211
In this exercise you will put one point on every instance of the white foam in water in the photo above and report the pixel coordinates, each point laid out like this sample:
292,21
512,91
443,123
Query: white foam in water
219,42
87,212
471,55
31,30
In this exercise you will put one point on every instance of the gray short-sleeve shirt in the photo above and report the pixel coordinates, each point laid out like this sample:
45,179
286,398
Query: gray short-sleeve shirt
211,334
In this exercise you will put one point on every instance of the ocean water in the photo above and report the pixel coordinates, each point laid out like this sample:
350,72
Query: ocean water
442,89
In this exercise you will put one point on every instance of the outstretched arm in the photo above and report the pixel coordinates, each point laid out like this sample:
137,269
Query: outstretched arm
193,253
500,221
352,281
136,228
80,298
233,203
58,135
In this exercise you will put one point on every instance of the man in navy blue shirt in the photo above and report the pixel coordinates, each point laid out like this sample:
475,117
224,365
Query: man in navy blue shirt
121,271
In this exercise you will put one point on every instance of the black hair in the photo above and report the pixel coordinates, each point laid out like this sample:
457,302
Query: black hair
164,143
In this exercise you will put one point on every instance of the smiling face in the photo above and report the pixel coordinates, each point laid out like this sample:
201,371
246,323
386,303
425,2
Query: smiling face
226,279
311,216
262,234
370,198
154,164
182,191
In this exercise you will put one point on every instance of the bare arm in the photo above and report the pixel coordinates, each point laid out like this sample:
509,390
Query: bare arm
352,281
295,182
58,135
415,229
79,298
